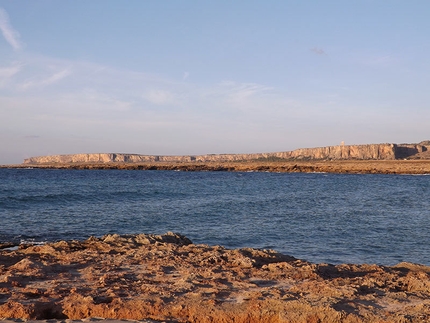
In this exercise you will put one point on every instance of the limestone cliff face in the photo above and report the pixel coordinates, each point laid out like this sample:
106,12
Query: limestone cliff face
378,151
103,158
361,152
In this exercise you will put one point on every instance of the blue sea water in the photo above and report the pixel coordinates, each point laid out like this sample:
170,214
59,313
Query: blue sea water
332,218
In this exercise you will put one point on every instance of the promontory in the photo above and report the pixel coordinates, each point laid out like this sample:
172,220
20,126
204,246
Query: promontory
386,158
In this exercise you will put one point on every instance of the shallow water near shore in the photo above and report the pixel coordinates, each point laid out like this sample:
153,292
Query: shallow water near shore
331,218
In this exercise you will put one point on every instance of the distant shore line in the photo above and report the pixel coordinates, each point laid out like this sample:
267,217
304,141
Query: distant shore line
414,167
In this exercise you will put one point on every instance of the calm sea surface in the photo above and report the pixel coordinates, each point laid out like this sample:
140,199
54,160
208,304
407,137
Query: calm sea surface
383,219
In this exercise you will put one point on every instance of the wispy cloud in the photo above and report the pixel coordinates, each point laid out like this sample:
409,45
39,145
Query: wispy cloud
318,51
101,101
238,92
9,33
159,97
6,73
54,78
378,60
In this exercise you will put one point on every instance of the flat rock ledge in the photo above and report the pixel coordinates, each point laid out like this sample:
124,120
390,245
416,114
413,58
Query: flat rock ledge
167,278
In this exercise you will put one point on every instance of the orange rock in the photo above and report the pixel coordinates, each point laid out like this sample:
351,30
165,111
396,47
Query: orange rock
167,278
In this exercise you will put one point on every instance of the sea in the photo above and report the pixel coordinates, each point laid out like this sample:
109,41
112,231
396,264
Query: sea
318,217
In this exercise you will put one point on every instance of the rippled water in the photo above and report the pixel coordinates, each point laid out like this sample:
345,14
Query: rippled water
331,218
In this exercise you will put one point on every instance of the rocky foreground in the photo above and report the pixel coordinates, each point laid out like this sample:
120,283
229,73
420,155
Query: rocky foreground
167,278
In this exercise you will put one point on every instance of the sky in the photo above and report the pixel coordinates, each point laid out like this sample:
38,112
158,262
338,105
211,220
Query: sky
206,77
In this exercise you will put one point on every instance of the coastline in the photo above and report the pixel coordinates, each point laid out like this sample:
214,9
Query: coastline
413,167
167,278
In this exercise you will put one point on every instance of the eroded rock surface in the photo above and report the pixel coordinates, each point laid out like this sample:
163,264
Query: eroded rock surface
167,278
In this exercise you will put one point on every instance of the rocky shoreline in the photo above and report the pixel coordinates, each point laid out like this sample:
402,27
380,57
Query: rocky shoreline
168,278
311,166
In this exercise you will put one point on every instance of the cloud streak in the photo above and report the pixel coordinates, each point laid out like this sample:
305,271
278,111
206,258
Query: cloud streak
9,33
54,78
378,60
159,97
240,94
6,73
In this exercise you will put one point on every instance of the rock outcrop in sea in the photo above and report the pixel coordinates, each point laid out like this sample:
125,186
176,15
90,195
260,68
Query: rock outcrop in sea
341,152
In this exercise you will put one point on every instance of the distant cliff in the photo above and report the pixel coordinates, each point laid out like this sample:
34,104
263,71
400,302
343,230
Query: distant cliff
342,152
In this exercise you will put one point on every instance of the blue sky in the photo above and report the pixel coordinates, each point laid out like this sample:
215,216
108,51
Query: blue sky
198,77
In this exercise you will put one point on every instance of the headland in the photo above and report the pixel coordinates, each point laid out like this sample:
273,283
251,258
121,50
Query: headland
371,158
341,152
